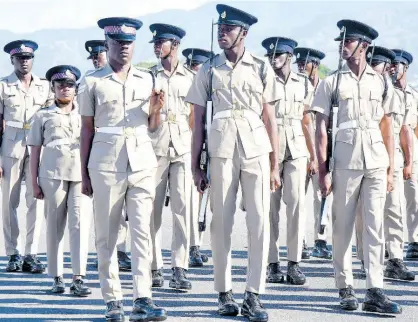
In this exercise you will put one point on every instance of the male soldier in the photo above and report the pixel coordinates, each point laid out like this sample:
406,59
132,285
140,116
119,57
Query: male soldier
242,135
97,51
22,94
296,139
363,163
399,70
118,164
195,57
380,59
308,61
172,145
98,55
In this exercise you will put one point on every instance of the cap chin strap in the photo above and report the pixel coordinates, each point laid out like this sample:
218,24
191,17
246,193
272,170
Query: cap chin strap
171,49
355,50
236,39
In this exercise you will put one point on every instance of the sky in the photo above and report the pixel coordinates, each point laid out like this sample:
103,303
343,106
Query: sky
30,15
22,16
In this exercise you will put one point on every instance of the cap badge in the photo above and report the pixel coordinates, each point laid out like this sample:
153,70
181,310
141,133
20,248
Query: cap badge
23,47
154,33
271,46
369,55
90,49
68,73
190,56
298,55
223,15
124,29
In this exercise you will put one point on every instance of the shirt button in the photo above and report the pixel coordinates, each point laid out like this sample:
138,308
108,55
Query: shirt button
232,86
127,120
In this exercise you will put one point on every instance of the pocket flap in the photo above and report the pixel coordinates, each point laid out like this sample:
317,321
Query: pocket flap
346,136
346,94
375,95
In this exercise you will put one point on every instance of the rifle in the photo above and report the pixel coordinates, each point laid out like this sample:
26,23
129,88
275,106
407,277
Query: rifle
204,158
331,133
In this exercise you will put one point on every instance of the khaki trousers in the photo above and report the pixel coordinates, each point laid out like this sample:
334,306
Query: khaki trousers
292,190
317,198
393,220
348,187
122,233
196,236
177,172
254,175
14,171
111,191
63,201
411,195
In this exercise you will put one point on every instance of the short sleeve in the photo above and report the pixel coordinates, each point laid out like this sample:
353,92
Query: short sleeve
1,99
85,98
272,91
322,100
388,104
198,92
51,97
35,136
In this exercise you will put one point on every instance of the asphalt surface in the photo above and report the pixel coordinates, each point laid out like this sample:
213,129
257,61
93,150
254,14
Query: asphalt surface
25,297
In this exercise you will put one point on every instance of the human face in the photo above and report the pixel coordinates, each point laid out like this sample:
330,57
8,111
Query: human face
380,67
398,70
99,59
22,64
279,60
227,35
351,49
64,90
305,70
195,66
162,47
120,51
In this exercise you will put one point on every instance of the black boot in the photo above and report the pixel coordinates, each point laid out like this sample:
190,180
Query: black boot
205,257
321,250
306,254
227,305
114,312
348,299
362,273
376,301
14,264
179,280
124,261
412,251
274,274
294,274
58,286
253,309
157,278
79,289
386,254
33,265
145,310
396,269
195,258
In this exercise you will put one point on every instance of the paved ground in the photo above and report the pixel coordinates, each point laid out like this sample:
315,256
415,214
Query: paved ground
25,297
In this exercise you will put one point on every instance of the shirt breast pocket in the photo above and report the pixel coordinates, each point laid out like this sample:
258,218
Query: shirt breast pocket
141,101
298,103
13,105
375,101
346,103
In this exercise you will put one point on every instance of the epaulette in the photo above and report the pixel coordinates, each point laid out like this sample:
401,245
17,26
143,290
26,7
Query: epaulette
148,70
259,59
332,73
306,80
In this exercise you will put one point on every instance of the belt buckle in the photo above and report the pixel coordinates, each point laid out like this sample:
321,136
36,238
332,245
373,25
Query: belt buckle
26,126
363,124
129,131
286,121
237,113
171,118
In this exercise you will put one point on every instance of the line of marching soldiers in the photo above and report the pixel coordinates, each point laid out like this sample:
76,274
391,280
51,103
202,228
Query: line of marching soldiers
124,136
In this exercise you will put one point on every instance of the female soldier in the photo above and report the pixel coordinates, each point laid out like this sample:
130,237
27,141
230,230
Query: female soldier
57,178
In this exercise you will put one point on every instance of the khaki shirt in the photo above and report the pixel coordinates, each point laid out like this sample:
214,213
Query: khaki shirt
123,105
290,107
174,131
244,87
312,92
360,100
60,162
412,116
18,104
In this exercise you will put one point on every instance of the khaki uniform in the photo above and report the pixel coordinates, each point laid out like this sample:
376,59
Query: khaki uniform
361,162
293,155
393,217
18,105
239,149
122,167
411,185
172,145
317,195
60,180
